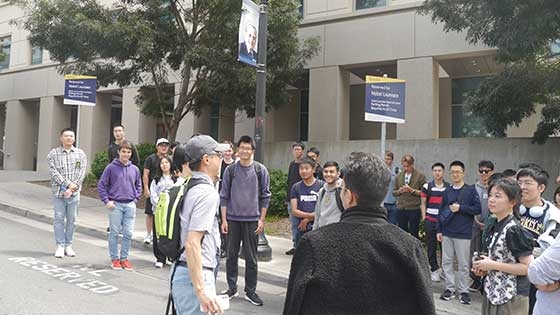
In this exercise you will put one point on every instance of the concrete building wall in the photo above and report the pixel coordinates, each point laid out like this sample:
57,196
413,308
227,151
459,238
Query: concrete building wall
21,135
54,116
360,129
445,130
95,126
505,153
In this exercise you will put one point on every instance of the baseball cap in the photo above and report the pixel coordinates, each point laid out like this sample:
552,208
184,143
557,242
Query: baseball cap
162,140
199,145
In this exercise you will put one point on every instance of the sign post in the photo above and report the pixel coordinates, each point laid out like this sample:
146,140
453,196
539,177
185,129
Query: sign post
79,90
385,99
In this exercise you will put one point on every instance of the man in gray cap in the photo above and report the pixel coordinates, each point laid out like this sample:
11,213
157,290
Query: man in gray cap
193,283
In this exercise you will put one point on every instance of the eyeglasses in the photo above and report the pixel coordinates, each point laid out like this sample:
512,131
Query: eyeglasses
526,182
484,171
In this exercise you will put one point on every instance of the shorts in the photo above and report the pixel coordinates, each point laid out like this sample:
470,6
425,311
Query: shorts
148,208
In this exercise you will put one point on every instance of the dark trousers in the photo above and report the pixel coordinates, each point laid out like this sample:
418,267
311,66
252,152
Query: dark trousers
239,231
160,257
532,298
431,243
409,220
391,212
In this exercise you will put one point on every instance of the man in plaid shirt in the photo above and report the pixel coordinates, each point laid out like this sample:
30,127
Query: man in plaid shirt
67,165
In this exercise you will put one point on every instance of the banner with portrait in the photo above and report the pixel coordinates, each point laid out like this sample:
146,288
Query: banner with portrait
248,33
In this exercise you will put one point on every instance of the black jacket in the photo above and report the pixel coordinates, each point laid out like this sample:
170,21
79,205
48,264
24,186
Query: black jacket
293,177
361,265
113,152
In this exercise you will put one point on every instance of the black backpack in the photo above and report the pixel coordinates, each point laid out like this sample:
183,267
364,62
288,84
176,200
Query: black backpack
168,220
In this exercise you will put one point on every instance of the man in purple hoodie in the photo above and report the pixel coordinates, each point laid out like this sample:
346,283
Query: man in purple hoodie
120,188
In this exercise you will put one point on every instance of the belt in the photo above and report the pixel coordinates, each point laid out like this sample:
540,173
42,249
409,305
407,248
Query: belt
184,263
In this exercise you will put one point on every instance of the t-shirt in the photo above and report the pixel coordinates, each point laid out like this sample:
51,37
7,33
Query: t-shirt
434,197
306,196
532,219
152,163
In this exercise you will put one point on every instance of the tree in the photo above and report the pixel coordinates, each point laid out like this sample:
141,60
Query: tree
153,43
524,32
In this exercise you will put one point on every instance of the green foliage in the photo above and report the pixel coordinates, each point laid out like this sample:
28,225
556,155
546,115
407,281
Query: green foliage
90,180
144,150
524,33
99,163
278,182
154,43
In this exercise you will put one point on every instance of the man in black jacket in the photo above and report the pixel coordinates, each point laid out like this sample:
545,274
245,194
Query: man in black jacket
293,177
362,264
113,150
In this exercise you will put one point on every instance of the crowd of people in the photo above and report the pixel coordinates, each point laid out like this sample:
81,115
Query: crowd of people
357,246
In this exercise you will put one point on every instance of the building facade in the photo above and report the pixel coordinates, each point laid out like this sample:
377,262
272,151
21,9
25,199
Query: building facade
358,38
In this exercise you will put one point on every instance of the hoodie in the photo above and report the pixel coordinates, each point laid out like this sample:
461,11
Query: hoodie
120,183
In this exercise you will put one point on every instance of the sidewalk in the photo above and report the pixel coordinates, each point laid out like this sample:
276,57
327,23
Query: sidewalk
34,201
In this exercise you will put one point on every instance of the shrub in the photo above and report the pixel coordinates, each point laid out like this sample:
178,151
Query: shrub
100,160
144,150
90,180
278,184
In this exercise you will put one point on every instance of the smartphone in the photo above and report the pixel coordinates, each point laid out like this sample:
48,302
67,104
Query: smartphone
223,302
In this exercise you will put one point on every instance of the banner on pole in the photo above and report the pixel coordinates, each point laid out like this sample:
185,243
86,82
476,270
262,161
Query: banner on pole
248,33
79,90
385,99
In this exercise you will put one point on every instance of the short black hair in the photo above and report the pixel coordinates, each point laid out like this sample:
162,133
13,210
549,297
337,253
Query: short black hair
308,161
180,157
486,163
67,129
536,172
457,163
509,172
438,164
314,150
246,139
298,144
330,164
494,177
118,125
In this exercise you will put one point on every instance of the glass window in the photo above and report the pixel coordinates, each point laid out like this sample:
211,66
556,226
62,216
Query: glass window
36,55
368,4
300,8
555,48
5,46
463,122
304,115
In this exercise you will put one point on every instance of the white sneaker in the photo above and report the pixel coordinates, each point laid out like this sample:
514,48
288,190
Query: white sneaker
59,252
158,264
148,239
436,275
69,251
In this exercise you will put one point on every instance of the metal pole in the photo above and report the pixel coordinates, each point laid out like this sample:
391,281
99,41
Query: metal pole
383,137
261,83
264,252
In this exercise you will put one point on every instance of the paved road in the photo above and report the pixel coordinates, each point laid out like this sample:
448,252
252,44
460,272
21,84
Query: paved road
35,282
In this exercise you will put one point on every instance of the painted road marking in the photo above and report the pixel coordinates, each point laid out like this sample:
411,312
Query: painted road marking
68,276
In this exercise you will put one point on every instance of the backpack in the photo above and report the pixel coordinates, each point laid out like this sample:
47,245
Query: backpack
168,221
230,170
336,196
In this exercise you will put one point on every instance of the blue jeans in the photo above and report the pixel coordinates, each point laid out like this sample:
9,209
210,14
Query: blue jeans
182,289
391,212
294,222
65,213
121,219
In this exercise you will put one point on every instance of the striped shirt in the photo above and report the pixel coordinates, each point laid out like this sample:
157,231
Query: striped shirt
434,198
66,166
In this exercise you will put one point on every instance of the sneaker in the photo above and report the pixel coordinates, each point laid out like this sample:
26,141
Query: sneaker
231,293
158,264
465,298
116,264
59,253
69,251
253,298
148,239
447,295
435,275
126,265
290,251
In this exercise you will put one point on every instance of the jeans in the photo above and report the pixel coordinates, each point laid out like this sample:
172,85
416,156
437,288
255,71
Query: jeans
409,220
391,212
294,223
239,231
65,210
455,247
182,289
121,219
431,243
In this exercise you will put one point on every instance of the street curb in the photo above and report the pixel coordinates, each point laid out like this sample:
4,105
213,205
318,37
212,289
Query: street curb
136,244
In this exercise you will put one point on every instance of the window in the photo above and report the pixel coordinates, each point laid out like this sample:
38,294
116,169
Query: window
36,55
304,115
463,122
215,120
5,46
369,4
300,8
